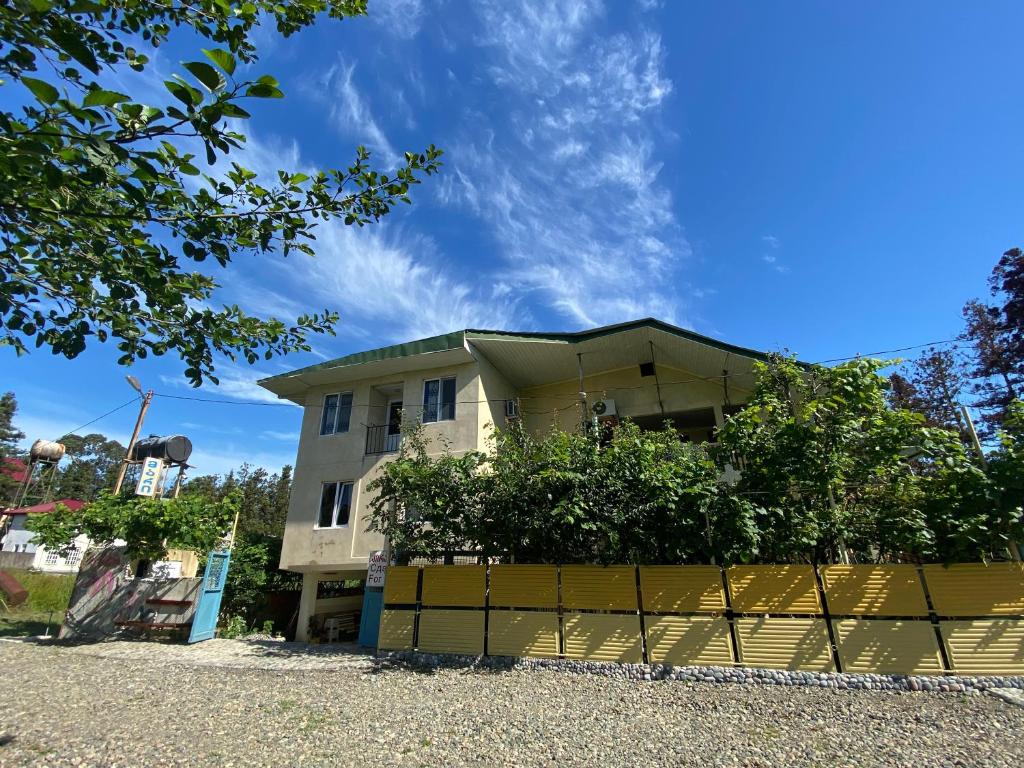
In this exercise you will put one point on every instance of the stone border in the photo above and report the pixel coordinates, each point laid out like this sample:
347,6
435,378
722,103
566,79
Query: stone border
740,675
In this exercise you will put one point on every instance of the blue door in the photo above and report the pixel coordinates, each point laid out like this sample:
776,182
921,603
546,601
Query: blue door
204,620
369,622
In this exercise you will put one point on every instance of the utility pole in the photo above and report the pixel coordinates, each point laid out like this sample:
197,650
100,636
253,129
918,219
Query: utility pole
147,398
1015,550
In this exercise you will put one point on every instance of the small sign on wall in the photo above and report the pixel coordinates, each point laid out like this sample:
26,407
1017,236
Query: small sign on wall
149,480
377,567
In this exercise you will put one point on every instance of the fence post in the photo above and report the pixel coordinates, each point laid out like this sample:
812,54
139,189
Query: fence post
820,584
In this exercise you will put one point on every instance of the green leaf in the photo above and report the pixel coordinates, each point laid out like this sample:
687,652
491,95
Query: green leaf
71,43
221,58
41,89
264,91
102,98
207,75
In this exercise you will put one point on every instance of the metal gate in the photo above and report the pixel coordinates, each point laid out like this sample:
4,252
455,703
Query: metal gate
369,621
204,621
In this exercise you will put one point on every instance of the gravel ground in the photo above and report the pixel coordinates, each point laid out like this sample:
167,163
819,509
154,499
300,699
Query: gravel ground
131,704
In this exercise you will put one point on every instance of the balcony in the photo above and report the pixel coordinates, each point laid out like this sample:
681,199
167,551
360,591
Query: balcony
382,439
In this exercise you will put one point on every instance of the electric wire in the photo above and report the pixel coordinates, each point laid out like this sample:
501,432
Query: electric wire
88,423
553,397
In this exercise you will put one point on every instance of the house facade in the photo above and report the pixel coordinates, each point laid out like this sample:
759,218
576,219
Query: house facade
461,386
17,538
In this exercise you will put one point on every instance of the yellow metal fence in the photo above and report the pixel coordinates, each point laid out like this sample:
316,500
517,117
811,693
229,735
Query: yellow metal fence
893,619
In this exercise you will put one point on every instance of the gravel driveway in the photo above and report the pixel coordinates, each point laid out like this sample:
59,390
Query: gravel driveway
243,704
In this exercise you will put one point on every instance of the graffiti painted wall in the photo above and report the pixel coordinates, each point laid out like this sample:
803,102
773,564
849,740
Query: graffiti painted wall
106,596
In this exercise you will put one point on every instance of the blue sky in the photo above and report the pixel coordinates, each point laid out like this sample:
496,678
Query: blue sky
829,178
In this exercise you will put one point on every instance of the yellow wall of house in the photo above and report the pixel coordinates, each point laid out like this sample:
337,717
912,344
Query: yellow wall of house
634,395
341,457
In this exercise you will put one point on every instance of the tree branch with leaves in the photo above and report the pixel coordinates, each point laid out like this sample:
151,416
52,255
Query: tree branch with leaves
104,212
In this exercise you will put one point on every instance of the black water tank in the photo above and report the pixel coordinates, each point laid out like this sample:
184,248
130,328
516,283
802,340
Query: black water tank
175,448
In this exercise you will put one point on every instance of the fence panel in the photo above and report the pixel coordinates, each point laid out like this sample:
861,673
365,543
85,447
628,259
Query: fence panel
454,585
396,630
689,640
785,643
603,637
773,589
984,646
975,589
522,633
682,588
888,647
873,590
524,586
444,631
400,585
595,587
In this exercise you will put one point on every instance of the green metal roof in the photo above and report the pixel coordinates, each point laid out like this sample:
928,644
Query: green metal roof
608,330
457,340
442,343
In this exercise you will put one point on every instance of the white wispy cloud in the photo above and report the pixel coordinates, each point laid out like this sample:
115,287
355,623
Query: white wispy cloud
401,18
351,112
288,437
588,230
774,244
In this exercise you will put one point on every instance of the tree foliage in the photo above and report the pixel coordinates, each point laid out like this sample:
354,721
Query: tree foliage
817,466
10,436
149,527
93,464
104,211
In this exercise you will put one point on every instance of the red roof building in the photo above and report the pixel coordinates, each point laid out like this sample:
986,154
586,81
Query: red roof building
73,504
16,469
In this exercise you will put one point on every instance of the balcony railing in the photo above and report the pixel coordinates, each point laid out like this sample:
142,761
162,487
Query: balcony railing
378,440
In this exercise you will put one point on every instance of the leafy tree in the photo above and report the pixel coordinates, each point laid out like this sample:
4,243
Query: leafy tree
10,436
246,582
902,394
94,464
632,496
939,381
997,343
104,213
149,527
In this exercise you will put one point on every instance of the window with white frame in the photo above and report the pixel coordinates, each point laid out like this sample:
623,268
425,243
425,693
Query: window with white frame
439,399
74,556
52,558
336,414
335,504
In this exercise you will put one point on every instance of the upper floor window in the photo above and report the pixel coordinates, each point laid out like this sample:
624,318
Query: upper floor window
439,399
335,503
336,414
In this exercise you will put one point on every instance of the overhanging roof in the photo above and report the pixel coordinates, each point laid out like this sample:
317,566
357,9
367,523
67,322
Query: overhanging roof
531,358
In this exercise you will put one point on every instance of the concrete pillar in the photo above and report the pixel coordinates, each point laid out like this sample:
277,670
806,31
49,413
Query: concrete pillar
719,416
307,605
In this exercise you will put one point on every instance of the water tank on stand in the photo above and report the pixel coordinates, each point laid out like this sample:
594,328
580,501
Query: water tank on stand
46,451
174,449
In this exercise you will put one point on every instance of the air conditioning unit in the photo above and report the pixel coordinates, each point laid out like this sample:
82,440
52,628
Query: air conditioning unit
511,409
604,409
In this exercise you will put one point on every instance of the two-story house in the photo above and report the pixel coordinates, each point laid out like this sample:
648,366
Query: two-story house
459,386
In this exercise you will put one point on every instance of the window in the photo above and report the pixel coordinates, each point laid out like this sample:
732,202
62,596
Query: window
52,558
74,556
335,503
336,414
439,399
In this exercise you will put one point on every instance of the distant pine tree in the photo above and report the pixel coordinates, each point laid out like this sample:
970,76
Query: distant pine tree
996,335
10,437
938,382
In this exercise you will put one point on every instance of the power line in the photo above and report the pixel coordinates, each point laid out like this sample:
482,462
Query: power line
888,351
83,426
567,395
